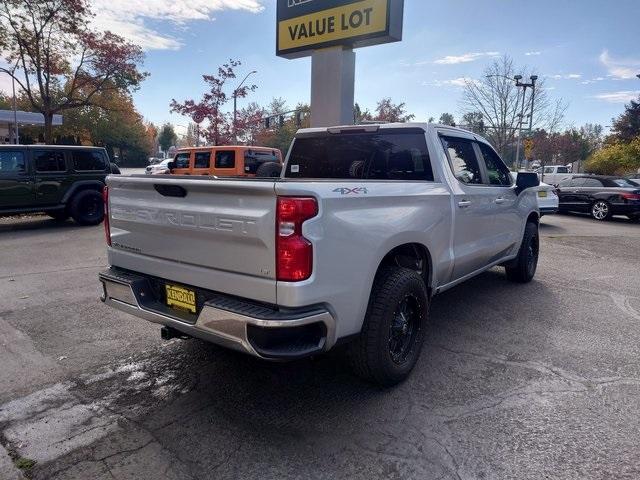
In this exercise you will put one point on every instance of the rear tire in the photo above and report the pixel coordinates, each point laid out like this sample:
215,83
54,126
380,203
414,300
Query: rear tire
394,327
523,268
87,208
601,210
269,170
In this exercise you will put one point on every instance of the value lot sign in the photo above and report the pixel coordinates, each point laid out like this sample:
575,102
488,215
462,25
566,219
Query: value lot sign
307,25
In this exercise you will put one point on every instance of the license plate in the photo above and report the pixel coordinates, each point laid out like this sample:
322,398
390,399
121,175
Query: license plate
181,298
542,193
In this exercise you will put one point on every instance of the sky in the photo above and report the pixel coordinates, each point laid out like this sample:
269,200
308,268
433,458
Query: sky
587,51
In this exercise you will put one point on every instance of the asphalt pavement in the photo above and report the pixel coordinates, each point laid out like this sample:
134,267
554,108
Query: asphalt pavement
515,381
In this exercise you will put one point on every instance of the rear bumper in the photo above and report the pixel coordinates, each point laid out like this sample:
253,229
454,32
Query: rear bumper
257,329
548,210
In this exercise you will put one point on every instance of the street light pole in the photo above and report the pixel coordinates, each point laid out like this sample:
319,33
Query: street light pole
16,138
524,86
235,106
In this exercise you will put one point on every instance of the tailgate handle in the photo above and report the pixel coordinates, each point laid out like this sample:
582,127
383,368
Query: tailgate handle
170,190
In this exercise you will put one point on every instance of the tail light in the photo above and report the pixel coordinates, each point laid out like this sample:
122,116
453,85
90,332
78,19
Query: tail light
105,202
294,253
631,196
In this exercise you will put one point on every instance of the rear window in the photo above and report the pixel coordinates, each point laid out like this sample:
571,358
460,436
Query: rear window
563,170
85,160
202,160
399,155
49,161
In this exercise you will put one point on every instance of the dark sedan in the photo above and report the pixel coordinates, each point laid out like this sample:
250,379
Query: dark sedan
600,196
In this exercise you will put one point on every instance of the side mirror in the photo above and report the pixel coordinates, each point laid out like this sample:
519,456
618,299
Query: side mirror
171,165
526,180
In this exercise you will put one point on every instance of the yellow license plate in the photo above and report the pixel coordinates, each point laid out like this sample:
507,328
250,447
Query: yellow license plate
181,298
542,193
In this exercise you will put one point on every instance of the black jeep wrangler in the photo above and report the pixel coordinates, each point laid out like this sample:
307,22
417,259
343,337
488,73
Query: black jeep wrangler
60,181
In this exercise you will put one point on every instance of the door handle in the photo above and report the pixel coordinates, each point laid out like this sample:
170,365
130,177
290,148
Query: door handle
499,200
464,203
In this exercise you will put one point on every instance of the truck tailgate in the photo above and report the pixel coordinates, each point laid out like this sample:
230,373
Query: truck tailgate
215,234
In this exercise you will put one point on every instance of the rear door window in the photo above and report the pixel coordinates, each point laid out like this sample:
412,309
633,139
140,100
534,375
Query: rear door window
202,160
225,159
88,160
49,161
592,182
464,163
182,160
12,162
563,169
399,154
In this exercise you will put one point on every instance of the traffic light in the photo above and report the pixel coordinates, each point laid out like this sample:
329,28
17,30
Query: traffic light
267,123
281,121
298,118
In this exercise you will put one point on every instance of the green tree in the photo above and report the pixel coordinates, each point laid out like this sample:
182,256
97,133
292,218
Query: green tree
615,159
626,127
447,119
167,137
64,63
360,115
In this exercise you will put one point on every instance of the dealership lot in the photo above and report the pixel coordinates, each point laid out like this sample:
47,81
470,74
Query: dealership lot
532,381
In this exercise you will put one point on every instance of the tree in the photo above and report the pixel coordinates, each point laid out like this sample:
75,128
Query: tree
447,119
64,63
626,127
360,115
473,121
387,111
211,105
497,98
115,125
615,159
167,137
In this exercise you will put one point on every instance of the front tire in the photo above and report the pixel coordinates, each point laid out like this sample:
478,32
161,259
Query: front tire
601,210
87,208
523,268
394,328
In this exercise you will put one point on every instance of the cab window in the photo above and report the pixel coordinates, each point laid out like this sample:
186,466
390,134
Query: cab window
225,159
182,160
12,162
496,169
87,160
49,161
563,169
463,159
202,160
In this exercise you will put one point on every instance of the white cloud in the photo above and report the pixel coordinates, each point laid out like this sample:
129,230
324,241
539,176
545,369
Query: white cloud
567,76
129,18
464,58
454,82
620,69
592,80
618,97
529,54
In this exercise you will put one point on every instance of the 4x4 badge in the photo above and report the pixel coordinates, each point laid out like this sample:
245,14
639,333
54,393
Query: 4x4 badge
352,191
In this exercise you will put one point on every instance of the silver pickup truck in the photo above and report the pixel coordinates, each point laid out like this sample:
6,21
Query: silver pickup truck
364,226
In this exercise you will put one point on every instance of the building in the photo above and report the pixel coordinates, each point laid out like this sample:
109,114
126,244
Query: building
25,119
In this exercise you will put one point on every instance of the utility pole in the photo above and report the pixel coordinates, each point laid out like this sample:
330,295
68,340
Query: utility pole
235,106
524,86
16,138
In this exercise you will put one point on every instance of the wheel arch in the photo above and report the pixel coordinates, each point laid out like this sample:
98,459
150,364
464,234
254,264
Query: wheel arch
80,186
413,255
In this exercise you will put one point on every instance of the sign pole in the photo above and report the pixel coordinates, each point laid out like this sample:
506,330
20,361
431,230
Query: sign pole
332,86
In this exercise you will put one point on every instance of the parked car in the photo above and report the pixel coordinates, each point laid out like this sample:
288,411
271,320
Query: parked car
601,196
554,174
160,168
547,197
365,226
61,181
225,161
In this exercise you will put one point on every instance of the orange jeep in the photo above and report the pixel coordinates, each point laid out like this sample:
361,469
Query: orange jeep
227,161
